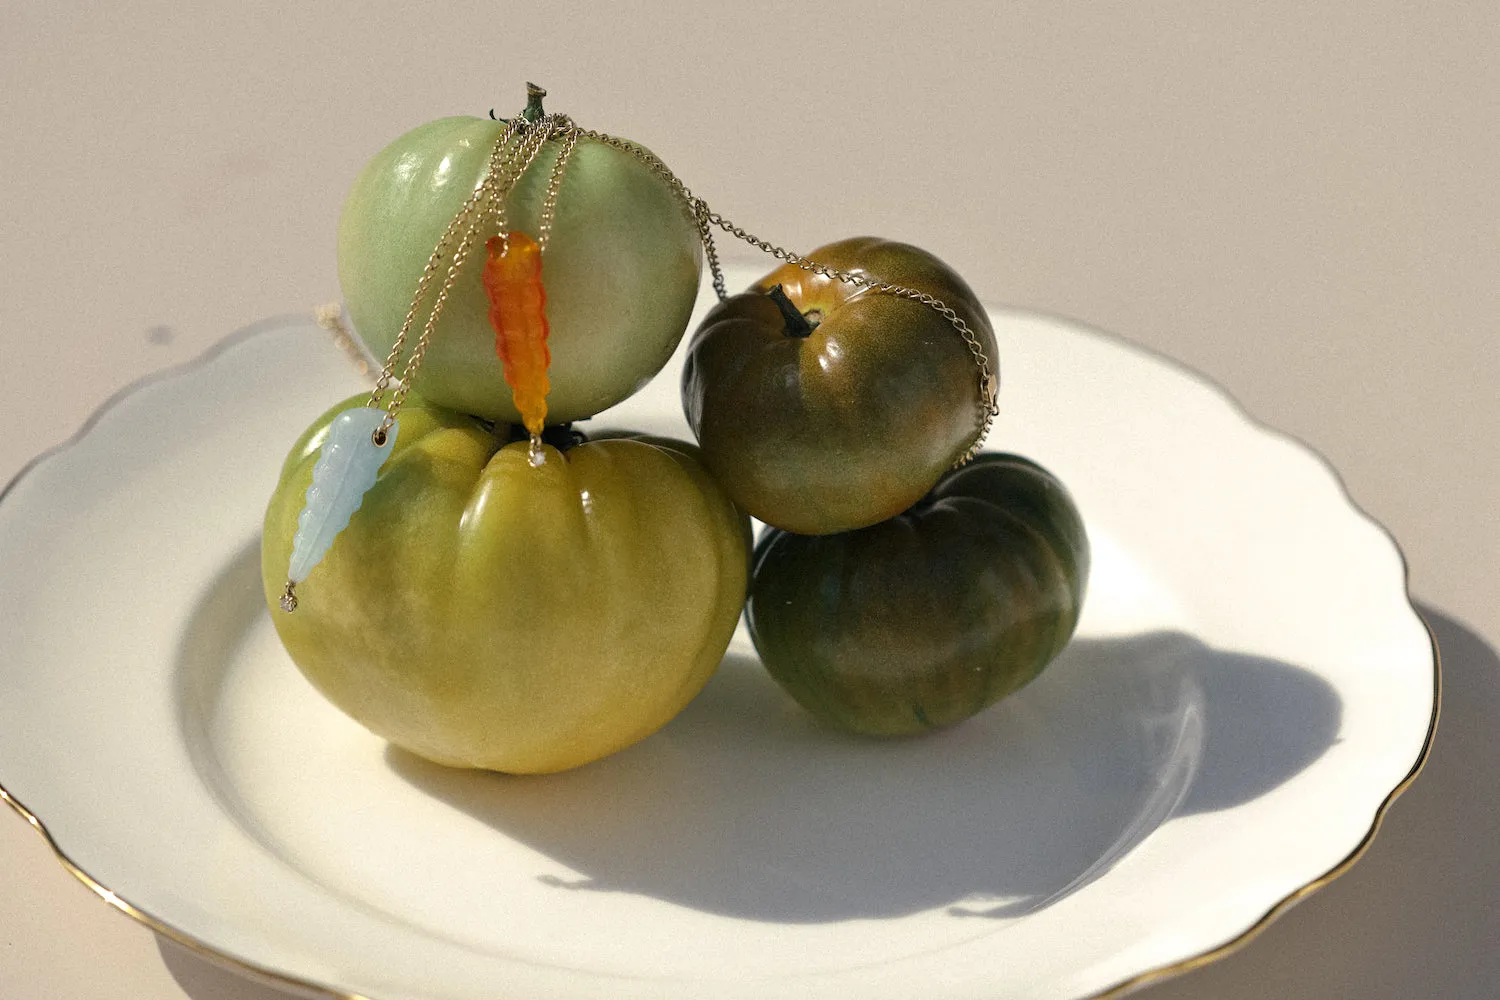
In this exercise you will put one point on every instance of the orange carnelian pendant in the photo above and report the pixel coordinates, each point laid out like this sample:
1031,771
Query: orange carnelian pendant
513,281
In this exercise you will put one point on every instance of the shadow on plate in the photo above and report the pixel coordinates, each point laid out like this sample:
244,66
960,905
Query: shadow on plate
745,806
1416,917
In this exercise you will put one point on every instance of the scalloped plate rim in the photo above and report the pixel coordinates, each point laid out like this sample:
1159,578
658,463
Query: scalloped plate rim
224,348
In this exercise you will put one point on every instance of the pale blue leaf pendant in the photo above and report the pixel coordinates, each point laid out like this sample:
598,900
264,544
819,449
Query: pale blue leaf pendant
347,465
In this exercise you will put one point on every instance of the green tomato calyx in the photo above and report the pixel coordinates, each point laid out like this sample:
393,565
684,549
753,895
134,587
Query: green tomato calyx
533,111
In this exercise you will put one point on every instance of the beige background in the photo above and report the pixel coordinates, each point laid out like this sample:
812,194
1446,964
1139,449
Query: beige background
1299,199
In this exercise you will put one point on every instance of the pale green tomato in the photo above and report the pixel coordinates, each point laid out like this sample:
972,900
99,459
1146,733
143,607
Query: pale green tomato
484,612
620,272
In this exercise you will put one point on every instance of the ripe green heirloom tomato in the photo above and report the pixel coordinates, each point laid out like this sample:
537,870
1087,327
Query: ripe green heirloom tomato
620,271
851,422
484,612
923,620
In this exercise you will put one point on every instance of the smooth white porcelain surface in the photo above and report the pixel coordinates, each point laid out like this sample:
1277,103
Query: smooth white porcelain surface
1248,686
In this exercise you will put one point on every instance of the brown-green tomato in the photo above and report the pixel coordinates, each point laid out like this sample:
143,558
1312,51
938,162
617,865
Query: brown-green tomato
925,619
850,422
482,611
620,271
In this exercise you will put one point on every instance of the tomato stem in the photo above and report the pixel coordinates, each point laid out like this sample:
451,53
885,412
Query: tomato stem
534,95
797,324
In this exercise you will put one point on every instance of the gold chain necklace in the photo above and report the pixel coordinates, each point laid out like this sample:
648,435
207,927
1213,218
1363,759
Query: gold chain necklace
360,440
513,153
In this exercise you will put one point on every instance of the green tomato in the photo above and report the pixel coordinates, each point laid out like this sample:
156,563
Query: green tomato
925,619
620,272
841,406
483,612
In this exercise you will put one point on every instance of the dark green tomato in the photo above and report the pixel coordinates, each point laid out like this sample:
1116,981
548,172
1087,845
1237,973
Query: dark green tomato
841,406
927,618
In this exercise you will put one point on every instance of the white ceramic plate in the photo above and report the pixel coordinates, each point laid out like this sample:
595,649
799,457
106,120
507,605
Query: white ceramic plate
1249,688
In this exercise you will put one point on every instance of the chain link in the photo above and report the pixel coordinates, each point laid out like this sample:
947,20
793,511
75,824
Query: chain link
507,165
499,182
554,183
387,373
989,377
697,207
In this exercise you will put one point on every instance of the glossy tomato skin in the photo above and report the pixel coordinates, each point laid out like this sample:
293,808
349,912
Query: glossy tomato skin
481,612
927,618
620,272
853,423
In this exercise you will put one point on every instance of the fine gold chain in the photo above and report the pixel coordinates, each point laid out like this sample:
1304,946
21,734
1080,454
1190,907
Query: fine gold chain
387,373
488,198
989,378
508,174
514,152
554,185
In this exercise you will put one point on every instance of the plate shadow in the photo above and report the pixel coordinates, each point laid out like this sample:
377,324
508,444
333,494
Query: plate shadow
1416,916
746,806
